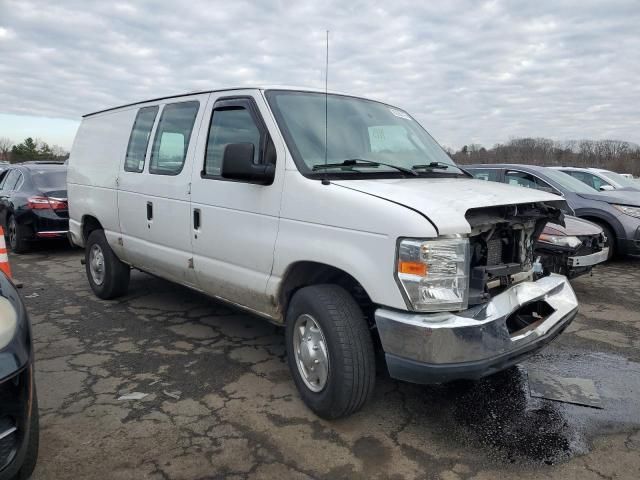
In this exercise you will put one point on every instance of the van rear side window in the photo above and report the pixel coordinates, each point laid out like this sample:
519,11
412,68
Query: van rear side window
171,142
139,139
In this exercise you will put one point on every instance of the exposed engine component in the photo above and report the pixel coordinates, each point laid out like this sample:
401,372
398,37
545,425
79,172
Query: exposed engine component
502,246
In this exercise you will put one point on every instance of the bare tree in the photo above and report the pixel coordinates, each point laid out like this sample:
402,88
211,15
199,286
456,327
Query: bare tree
5,148
613,155
59,152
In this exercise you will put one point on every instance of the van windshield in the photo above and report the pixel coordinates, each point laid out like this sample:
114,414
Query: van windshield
360,133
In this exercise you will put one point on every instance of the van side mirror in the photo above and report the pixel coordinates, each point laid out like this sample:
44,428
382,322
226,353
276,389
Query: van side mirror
237,164
606,188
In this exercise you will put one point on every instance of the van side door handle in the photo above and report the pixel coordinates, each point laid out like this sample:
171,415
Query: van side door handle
149,211
196,219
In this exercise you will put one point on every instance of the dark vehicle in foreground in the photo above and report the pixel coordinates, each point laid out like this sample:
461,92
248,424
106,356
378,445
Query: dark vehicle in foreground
33,203
616,212
571,250
19,425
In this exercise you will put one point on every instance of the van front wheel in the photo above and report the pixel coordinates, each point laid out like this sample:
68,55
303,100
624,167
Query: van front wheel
329,350
107,275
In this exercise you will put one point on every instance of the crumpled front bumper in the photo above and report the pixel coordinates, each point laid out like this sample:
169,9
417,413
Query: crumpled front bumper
440,347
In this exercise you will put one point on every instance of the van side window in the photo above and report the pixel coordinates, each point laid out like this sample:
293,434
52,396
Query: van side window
229,125
139,139
173,134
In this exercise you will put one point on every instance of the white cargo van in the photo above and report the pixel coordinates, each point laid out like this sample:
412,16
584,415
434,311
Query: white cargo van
373,240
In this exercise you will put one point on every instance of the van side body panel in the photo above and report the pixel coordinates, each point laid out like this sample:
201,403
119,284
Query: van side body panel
332,225
98,149
160,245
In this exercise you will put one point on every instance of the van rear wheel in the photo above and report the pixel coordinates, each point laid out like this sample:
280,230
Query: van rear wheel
107,275
329,350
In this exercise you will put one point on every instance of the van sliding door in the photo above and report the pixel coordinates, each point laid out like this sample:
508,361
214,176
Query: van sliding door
155,205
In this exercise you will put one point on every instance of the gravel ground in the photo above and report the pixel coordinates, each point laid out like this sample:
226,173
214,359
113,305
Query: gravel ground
220,402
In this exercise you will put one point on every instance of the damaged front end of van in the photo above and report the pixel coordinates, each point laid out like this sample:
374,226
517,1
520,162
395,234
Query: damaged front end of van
481,302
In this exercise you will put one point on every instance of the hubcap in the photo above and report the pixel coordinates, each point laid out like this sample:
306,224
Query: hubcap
310,351
96,264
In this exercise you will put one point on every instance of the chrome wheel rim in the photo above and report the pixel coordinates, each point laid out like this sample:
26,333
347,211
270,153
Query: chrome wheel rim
96,264
310,351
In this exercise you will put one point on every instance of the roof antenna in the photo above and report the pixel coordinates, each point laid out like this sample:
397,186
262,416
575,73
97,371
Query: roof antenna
325,181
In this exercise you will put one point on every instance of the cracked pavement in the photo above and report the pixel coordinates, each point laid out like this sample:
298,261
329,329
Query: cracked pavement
220,402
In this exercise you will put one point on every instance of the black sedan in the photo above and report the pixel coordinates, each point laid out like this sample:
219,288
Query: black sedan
18,402
33,203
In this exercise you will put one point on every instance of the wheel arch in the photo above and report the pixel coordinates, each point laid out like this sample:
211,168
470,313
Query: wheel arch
89,224
306,273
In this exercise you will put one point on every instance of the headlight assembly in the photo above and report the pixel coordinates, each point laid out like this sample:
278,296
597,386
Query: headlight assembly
627,210
560,240
434,274
8,322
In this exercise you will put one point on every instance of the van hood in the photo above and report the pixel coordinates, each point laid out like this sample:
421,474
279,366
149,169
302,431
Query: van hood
445,201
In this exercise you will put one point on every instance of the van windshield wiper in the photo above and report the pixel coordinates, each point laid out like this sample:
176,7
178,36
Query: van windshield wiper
359,162
432,165
443,166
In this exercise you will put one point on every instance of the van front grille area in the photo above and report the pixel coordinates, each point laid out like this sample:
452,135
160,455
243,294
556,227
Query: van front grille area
494,251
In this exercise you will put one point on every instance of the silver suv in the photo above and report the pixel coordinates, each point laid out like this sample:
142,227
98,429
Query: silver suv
601,179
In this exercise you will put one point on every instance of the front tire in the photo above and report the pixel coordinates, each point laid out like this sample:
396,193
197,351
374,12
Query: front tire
329,350
107,275
611,240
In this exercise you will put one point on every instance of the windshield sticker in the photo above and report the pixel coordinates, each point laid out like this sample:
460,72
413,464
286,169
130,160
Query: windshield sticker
400,113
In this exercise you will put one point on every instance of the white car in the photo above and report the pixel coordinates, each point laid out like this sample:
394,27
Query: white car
373,239
601,179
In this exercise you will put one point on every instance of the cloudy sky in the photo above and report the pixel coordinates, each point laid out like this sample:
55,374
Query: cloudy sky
469,71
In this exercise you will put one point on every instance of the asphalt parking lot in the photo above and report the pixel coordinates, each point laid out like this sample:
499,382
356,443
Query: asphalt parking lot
220,402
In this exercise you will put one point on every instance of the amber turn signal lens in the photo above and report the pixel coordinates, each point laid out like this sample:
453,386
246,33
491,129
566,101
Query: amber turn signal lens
412,268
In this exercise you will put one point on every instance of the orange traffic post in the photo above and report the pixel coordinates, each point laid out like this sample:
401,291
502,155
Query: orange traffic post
4,258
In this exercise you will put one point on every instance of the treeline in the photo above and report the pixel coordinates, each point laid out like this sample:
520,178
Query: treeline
616,155
30,149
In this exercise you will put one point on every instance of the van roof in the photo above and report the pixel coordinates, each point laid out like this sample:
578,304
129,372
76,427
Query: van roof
198,92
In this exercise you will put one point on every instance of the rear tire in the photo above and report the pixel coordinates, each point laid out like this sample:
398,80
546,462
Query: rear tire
336,323
107,275
16,234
